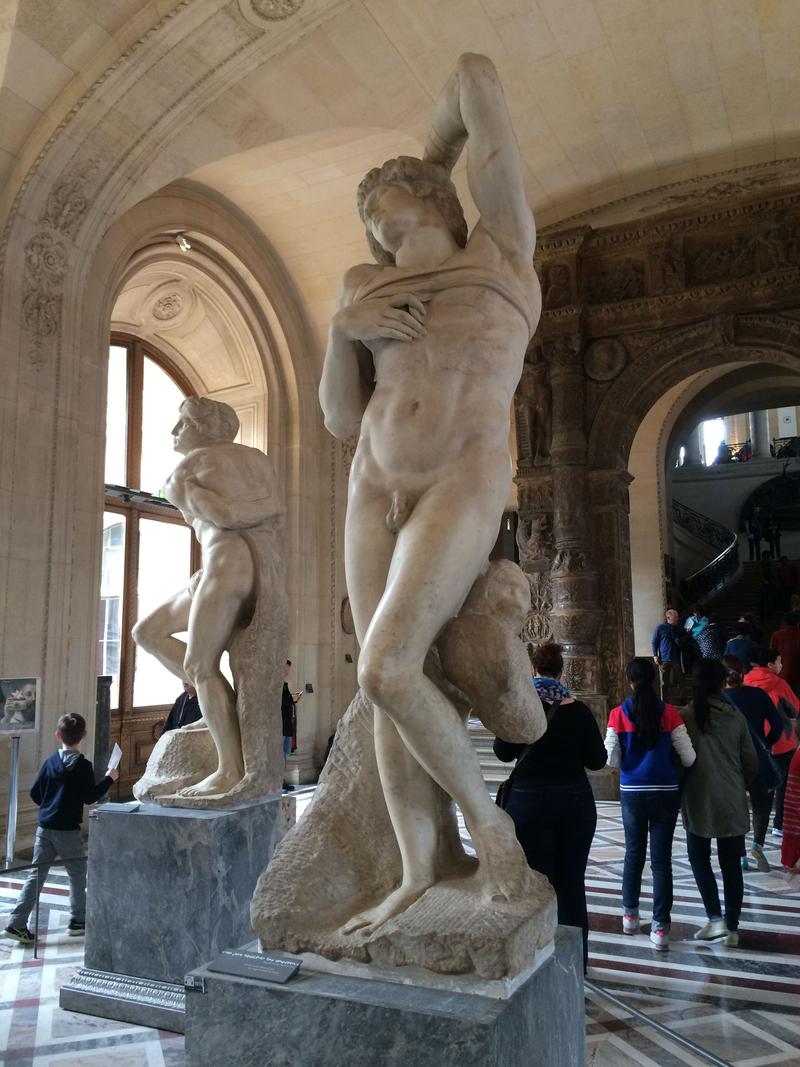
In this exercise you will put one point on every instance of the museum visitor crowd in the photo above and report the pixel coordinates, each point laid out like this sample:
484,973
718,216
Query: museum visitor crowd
706,730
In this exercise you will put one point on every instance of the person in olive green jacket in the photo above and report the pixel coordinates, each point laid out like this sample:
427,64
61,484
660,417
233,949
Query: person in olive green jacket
714,801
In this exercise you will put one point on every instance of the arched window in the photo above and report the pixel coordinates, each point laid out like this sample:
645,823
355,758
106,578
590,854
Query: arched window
148,550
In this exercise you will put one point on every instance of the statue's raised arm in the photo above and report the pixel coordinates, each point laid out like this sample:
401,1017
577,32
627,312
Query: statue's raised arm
472,110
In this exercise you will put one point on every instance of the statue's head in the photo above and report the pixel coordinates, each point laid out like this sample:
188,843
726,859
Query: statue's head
202,422
427,183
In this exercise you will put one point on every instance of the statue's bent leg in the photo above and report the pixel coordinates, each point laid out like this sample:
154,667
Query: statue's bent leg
154,633
438,555
216,607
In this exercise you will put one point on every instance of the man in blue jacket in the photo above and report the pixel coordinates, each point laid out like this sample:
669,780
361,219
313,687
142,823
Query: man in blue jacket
666,652
65,783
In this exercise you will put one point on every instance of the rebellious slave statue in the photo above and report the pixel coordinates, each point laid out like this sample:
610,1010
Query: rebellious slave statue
425,351
227,493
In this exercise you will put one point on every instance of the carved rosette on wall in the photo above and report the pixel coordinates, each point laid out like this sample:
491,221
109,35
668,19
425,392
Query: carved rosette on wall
167,307
263,12
47,257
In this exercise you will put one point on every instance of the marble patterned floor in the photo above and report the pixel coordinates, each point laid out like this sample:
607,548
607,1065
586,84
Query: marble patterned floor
739,1007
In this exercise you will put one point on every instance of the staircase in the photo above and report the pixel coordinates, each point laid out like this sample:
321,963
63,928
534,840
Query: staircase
494,772
742,595
723,545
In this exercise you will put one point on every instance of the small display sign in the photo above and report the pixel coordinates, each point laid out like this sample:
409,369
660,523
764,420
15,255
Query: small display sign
258,965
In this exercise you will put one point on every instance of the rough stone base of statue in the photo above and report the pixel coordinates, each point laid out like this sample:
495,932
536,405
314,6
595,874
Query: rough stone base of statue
168,890
330,1017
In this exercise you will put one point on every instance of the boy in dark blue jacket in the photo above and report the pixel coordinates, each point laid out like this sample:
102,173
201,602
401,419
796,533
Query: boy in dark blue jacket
65,783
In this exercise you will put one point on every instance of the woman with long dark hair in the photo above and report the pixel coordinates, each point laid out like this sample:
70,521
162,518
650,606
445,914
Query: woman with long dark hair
642,733
715,798
551,801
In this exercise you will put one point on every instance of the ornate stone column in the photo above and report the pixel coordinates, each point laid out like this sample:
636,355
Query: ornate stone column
535,544
759,434
576,614
611,538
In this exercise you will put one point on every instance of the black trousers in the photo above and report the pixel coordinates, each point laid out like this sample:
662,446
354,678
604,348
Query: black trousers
761,802
783,760
555,825
729,853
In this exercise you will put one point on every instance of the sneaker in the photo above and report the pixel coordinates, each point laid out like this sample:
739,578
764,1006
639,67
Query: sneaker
660,938
745,864
19,933
76,929
732,939
630,923
776,832
712,931
762,863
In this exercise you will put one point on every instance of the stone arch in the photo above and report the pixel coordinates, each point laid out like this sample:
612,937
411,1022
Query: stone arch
674,357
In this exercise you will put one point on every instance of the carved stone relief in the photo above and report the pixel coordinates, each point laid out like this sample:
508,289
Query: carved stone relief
613,280
167,307
711,260
605,359
557,290
534,410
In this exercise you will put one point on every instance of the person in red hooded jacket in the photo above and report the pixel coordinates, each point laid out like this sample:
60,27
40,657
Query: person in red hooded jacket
790,846
766,676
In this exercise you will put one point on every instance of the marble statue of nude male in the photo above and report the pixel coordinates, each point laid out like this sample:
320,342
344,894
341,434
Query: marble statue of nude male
227,493
425,351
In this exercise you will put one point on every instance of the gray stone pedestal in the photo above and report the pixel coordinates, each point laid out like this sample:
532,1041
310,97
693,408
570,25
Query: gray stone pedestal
327,1020
168,890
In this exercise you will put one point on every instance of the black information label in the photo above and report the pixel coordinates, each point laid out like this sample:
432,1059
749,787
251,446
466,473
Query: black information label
257,965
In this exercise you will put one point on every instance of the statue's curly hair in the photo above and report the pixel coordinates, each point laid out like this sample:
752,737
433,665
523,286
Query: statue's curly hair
423,179
218,421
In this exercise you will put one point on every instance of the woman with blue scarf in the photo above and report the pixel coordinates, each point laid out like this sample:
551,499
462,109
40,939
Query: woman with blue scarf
550,800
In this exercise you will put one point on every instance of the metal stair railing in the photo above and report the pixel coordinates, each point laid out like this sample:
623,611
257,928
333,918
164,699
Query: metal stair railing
716,574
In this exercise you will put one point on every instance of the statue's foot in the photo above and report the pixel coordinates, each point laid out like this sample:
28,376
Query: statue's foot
192,726
502,866
216,783
366,922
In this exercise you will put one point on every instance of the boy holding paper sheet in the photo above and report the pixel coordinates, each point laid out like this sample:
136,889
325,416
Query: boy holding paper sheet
65,783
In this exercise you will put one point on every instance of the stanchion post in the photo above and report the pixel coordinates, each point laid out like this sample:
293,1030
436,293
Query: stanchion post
11,824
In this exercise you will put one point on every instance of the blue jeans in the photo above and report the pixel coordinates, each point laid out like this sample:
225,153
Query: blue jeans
656,814
555,825
287,749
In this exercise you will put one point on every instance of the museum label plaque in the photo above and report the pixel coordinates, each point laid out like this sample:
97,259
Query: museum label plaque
258,965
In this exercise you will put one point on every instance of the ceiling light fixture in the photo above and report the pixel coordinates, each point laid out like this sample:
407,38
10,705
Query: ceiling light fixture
182,243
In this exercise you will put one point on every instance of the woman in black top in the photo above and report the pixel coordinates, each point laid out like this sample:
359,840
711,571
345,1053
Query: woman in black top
551,801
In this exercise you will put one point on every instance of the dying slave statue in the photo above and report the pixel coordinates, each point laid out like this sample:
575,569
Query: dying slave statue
228,494
425,351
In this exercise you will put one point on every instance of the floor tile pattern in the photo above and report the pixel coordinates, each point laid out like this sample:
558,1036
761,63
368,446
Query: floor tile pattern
739,1007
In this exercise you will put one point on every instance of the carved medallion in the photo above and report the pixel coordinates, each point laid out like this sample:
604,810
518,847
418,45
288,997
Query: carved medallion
260,11
168,307
605,359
